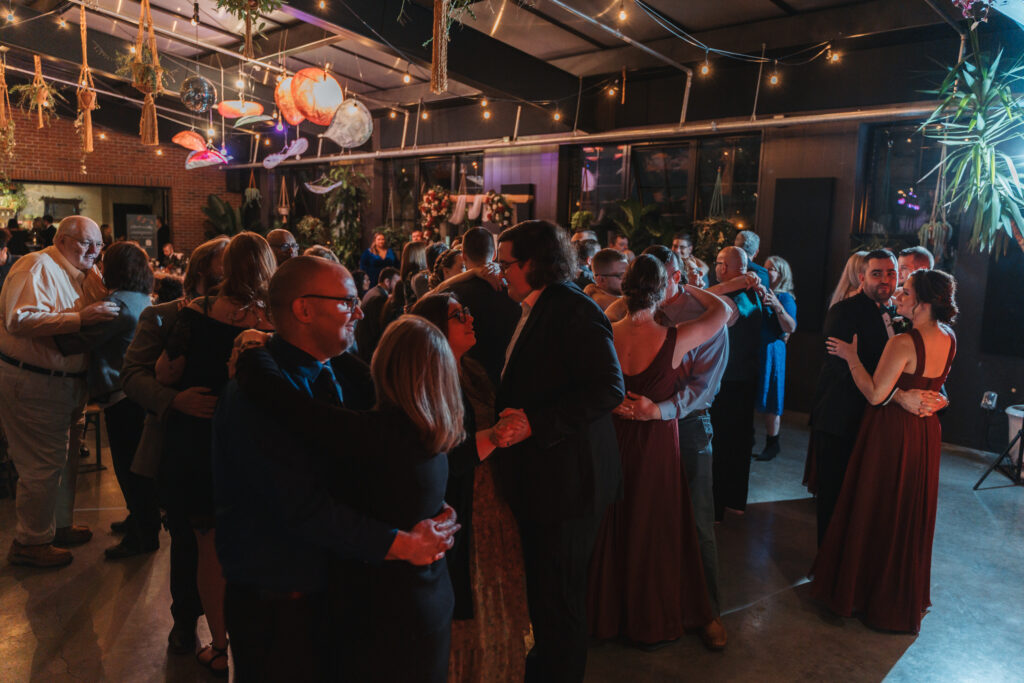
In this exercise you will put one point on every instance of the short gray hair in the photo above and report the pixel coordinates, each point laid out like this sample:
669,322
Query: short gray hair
750,242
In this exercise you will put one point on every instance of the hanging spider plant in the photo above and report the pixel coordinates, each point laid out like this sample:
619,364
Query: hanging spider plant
980,123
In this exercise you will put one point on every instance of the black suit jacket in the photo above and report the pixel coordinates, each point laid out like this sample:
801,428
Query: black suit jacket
494,320
838,403
564,373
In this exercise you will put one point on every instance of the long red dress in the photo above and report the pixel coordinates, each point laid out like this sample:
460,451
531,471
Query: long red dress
646,577
876,557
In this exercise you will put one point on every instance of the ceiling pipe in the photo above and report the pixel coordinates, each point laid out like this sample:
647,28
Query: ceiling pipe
640,46
631,134
177,37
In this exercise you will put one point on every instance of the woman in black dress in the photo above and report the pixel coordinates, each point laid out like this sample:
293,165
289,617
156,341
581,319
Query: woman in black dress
196,356
390,464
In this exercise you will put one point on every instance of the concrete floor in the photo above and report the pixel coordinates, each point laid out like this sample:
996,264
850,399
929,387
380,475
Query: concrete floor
103,621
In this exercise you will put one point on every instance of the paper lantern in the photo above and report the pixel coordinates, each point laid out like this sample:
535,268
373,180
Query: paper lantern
233,109
207,157
286,104
189,139
198,94
317,95
351,126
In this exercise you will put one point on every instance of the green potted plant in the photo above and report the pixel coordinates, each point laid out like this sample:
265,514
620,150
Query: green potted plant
980,123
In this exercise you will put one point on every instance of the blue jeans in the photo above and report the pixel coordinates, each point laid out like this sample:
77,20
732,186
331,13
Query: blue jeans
695,452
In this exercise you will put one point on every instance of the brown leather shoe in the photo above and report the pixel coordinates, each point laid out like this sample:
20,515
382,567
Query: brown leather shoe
43,555
713,635
70,536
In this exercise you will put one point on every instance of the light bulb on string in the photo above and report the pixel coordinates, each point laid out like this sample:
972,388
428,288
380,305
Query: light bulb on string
195,14
322,4
130,49
773,79
240,84
622,12
10,16
833,56
483,102
487,113
705,68
406,78
392,114
611,91
211,131
424,116
558,116
62,23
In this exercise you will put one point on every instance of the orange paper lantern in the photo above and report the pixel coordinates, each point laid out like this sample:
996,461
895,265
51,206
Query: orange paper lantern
317,95
286,104
232,109
189,139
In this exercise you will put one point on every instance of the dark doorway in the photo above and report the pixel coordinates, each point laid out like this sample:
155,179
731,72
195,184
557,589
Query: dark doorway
121,212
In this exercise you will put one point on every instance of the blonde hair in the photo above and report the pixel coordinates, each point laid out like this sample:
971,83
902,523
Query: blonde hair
414,370
849,281
785,283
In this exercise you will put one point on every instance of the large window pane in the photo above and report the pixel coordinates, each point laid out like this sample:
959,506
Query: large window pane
897,202
737,160
662,178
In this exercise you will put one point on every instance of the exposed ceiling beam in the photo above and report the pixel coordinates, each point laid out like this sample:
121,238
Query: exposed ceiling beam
561,25
472,55
874,16
784,6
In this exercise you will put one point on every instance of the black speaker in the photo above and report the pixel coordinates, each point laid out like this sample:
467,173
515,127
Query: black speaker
801,229
236,179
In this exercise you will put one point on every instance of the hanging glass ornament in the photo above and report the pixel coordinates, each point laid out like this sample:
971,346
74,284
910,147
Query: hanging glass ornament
198,94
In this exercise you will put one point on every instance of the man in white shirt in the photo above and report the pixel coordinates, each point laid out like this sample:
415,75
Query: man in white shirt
43,393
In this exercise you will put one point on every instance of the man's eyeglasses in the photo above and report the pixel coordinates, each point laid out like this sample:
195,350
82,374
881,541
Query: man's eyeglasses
89,245
349,303
505,265
618,275
462,314
287,246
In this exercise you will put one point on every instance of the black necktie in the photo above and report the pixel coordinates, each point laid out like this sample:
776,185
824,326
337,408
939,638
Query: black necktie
325,387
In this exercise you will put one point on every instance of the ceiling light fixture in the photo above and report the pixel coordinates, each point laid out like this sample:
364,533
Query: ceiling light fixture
774,77
705,68
558,116
487,113
195,14
392,114
406,78
622,11
424,116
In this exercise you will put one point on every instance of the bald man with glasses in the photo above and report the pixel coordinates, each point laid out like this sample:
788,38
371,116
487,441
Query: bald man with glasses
43,393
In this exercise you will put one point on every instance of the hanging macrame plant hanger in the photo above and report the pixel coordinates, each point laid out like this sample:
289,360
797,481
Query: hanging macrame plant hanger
439,48
716,211
284,205
86,90
41,91
6,113
147,78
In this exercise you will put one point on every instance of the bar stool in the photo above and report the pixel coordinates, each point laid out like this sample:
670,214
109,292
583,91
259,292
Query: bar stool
92,418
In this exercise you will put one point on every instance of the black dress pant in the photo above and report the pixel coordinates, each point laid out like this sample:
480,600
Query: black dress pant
832,455
732,417
276,637
695,434
186,606
557,559
125,420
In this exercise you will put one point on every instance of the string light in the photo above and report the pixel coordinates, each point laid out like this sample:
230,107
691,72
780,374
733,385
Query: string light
195,14
622,12
10,16
705,68
159,152
279,127
61,23
833,56
103,136
424,115
611,91
240,83
487,113
211,131
483,102
774,77
266,142
130,49
392,114
322,4
558,116
406,78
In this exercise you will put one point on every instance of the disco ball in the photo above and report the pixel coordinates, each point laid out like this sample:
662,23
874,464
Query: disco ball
351,126
198,94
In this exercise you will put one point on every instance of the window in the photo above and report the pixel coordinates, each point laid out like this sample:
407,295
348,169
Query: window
600,181
736,160
662,177
897,202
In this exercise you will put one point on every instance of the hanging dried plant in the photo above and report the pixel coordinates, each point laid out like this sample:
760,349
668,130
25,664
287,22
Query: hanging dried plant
38,95
6,116
249,11
147,75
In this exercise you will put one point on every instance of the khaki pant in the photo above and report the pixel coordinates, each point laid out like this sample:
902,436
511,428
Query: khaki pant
40,415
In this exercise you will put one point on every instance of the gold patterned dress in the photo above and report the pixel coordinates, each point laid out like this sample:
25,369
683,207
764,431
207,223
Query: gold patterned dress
491,646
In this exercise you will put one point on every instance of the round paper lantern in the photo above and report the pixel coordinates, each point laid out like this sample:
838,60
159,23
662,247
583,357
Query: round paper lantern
317,95
286,104
233,109
352,124
198,94
189,139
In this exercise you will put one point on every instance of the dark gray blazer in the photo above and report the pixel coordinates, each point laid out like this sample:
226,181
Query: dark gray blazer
106,343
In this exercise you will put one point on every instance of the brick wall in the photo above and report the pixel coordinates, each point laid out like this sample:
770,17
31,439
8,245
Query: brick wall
53,155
